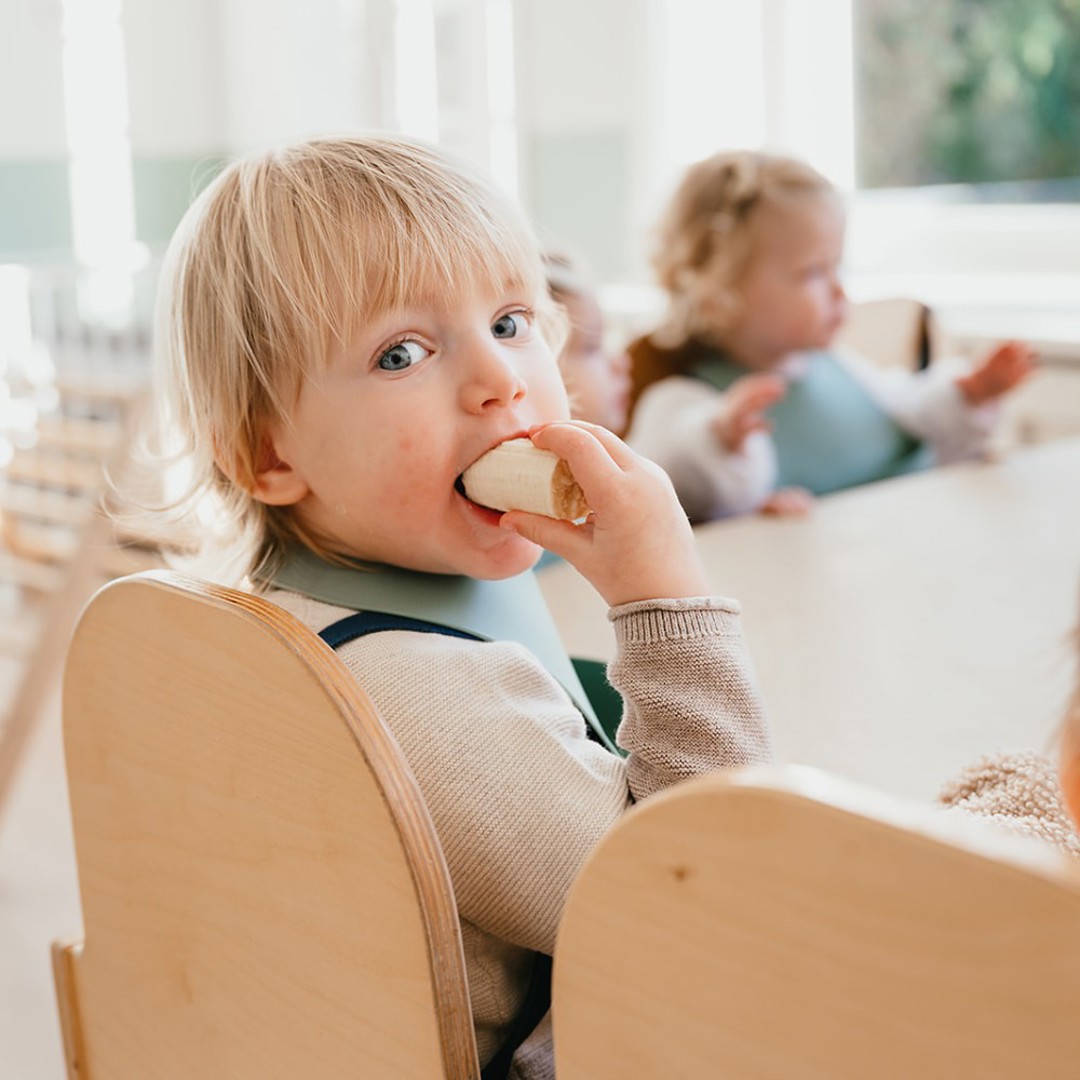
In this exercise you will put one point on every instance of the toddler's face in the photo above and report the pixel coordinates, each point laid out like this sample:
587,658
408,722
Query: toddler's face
371,456
792,296
597,382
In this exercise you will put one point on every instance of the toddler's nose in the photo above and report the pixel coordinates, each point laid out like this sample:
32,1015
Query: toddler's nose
493,380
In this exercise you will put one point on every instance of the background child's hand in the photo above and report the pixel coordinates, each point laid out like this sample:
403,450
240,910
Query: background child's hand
1006,367
741,408
636,544
788,502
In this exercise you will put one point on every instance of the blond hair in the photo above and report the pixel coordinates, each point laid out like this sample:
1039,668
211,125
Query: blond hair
705,239
275,267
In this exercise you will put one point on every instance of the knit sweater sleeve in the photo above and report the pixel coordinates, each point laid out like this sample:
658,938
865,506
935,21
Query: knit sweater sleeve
690,699
518,793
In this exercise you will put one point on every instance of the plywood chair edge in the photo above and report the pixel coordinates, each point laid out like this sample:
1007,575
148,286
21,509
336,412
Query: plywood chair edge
970,835
65,958
431,879
801,839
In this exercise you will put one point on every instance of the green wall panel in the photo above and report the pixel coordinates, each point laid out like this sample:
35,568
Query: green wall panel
164,188
35,214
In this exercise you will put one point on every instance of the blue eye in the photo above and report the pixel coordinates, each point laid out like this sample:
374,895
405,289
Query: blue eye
510,325
402,355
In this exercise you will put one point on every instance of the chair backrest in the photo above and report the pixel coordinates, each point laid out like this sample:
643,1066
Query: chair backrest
895,332
778,924
263,893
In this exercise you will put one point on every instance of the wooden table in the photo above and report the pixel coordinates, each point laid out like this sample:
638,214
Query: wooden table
905,628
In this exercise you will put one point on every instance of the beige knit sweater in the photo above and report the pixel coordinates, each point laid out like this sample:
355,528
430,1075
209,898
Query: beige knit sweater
1020,792
519,794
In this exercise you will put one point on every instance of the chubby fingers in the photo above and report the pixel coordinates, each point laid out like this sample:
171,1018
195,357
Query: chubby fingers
788,502
755,392
597,458
1007,366
551,533
566,437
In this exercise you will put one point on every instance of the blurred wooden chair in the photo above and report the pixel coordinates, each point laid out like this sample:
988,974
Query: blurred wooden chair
57,541
263,892
777,923
896,332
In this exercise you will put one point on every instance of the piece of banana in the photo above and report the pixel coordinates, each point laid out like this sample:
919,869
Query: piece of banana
515,475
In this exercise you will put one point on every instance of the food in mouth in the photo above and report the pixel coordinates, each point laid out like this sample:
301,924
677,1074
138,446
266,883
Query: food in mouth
515,475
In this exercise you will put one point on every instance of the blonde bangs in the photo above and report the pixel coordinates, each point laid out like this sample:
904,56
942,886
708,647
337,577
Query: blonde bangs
430,254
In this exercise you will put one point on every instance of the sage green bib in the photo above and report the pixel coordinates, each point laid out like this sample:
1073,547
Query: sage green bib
510,610
828,432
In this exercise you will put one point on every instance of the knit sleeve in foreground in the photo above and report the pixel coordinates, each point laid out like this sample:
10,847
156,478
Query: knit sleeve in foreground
1019,792
690,699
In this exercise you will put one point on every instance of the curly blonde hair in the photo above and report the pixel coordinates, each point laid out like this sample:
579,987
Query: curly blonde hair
275,267
706,237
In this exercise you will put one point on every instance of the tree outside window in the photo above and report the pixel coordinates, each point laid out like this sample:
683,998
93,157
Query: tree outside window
972,92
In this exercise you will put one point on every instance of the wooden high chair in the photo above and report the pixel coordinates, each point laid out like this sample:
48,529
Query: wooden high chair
779,924
263,893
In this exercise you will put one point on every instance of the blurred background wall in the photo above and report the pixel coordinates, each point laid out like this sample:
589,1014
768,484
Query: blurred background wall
953,124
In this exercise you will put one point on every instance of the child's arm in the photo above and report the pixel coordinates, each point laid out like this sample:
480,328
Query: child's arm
741,411
930,404
674,425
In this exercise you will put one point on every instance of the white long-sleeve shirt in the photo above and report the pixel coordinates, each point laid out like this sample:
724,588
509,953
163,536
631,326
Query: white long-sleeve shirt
673,421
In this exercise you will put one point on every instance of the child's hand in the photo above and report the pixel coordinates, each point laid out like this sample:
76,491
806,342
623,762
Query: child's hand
741,407
1006,367
636,544
788,502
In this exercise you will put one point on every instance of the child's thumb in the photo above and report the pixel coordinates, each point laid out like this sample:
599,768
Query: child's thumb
550,533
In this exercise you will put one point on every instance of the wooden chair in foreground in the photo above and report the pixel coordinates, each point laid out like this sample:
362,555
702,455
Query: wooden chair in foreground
263,893
779,924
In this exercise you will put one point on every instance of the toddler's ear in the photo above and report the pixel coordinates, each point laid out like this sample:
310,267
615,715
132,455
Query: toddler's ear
275,481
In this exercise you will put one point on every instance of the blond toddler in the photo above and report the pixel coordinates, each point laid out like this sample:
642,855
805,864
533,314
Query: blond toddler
346,326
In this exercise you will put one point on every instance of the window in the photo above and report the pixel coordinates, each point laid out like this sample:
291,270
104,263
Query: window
102,196
984,93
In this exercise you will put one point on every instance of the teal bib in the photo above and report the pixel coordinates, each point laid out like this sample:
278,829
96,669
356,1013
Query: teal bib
508,610
829,434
